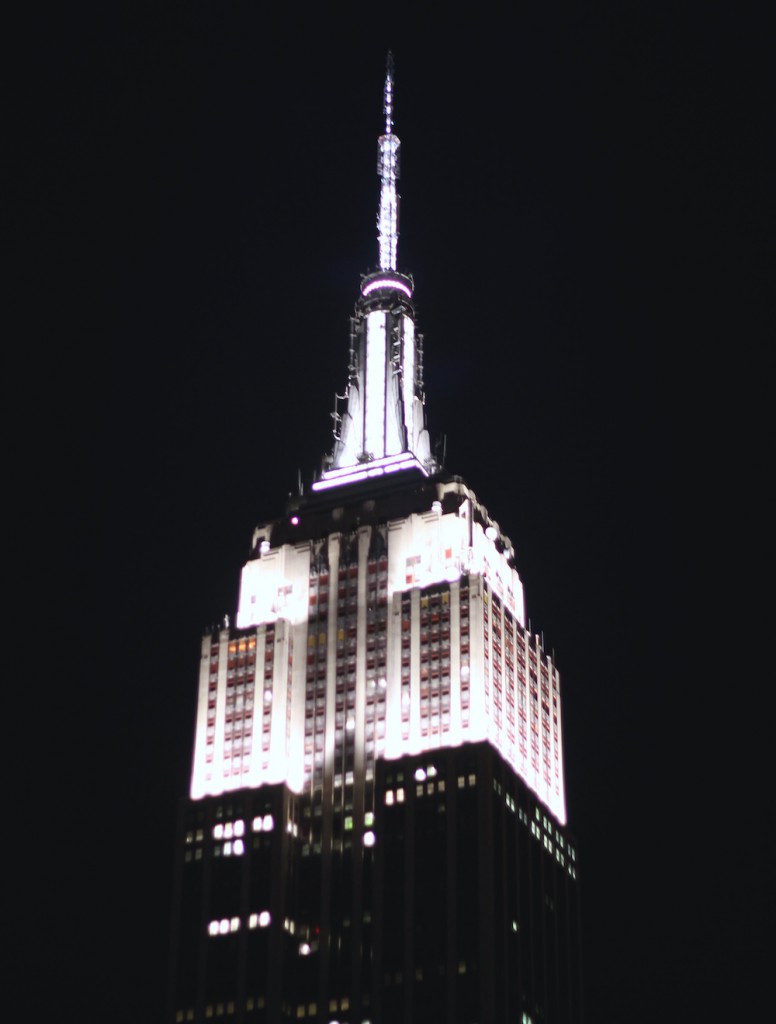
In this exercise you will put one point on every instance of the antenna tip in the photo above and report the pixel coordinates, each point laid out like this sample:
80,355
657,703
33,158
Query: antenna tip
388,94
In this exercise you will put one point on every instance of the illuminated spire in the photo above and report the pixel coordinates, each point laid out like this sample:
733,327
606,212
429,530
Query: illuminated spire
388,169
380,421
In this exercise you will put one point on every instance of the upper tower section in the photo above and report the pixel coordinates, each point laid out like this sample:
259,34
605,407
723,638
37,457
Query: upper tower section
380,422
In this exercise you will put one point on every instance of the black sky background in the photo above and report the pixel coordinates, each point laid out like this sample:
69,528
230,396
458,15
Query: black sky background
198,204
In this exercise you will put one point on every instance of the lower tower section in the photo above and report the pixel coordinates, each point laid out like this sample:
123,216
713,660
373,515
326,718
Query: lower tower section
454,900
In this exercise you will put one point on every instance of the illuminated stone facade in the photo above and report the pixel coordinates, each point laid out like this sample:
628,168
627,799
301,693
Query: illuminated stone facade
363,634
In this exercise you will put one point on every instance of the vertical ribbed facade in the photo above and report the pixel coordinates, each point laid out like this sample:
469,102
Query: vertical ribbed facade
461,907
397,636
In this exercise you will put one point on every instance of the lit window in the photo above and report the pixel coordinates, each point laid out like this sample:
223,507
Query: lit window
400,795
218,832
369,838
238,847
389,797
264,919
369,818
420,775
269,823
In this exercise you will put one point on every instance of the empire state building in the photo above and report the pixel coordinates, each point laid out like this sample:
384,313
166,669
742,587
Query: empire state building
376,825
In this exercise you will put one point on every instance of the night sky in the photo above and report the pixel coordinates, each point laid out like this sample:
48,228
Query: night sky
198,204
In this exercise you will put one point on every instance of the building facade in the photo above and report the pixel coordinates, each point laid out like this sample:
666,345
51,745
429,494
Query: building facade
376,825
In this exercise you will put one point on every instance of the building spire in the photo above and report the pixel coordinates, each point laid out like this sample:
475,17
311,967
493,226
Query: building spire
380,421
388,168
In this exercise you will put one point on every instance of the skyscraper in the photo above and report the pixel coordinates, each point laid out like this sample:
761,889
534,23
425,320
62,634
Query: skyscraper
375,830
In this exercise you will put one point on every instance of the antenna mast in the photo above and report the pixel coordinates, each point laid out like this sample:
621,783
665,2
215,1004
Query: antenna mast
388,168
